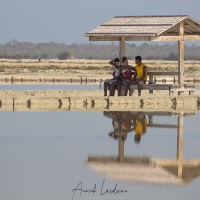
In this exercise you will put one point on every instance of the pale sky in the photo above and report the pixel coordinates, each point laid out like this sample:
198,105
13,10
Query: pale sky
66,21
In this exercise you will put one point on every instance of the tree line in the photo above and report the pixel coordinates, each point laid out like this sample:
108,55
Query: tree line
149,51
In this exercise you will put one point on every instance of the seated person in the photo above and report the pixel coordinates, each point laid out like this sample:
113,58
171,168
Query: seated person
126,72
111,83
140,76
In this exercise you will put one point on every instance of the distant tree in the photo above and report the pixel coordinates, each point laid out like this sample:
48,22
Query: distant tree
13,42
172,56
64,55
52,50
44,56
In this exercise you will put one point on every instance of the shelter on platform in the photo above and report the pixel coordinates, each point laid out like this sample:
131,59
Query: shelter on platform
149,28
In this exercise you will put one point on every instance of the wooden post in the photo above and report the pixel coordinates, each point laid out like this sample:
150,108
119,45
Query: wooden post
150,120
150,78
179,152
122,47
13,104
181,55
150,81
120,148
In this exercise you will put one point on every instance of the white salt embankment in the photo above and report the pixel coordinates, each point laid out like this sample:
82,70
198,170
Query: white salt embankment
93,100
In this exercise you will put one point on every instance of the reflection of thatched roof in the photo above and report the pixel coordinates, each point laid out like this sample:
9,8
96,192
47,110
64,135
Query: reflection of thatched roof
189,172
135,173
141,169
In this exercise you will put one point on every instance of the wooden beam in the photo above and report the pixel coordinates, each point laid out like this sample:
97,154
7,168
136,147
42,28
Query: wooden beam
122,48
154,86
175,38
170,33
193,33
191,37
162,73
161,125
137,38
102,38
164,162
181,55
165,38
117,38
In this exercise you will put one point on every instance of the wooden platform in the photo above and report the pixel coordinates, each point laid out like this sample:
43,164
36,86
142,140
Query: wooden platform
152,85
172,88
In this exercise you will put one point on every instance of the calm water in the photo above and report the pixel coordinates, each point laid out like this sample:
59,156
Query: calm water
51,86
54,86
44,155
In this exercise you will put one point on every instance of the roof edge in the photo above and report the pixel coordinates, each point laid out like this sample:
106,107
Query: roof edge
152,16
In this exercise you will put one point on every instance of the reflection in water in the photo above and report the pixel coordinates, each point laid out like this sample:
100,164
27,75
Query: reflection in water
140,168
125,122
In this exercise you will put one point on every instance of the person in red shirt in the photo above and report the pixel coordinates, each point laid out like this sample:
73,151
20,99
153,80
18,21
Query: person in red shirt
126,72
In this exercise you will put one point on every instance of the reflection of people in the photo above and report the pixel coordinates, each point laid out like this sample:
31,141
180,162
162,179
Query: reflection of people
111,83
116,126
140,76
122,124
140,127
126,124
116,123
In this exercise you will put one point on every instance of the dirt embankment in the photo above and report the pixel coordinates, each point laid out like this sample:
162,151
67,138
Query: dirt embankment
99,69
88,100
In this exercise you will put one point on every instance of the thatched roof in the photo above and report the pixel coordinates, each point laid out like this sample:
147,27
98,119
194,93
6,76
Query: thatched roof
144,27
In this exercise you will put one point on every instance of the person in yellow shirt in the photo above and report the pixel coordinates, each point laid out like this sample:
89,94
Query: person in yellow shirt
140,76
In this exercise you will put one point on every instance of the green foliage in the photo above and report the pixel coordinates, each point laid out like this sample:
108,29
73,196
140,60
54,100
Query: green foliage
148,51
64,55
44,56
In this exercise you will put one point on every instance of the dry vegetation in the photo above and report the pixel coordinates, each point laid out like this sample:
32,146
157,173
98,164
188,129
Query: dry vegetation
82,68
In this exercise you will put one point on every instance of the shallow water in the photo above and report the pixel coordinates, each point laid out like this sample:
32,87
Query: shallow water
54,86
43,155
